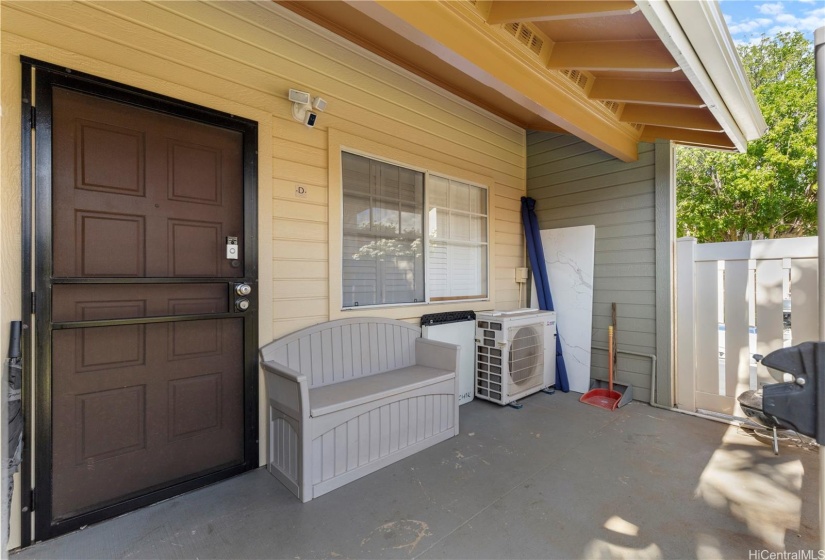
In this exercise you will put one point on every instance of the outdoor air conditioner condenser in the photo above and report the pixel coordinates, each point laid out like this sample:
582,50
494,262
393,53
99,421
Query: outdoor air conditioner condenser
515,354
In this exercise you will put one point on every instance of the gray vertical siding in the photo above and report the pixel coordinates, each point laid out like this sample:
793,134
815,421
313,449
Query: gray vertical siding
576,184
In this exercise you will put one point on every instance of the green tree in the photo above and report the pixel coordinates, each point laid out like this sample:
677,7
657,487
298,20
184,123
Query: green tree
769,191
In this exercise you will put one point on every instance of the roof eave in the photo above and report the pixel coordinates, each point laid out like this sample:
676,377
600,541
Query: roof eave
696,35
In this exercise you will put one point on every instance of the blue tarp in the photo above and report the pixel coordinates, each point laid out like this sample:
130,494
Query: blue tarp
536,253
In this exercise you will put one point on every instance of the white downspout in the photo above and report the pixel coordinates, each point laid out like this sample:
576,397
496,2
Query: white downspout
819,56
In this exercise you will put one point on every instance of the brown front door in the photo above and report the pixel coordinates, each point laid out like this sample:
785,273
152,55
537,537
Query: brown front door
148,344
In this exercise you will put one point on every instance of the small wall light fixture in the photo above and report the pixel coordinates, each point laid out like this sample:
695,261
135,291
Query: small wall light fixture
302,107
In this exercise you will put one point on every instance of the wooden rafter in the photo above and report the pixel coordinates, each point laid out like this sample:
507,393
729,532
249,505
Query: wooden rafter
503,11
632,56
655,92
674,117
441,29
545,126
690,137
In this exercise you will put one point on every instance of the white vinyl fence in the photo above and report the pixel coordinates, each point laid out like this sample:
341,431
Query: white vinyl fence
734,300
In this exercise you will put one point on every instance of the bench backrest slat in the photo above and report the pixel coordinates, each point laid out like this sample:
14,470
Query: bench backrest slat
346,348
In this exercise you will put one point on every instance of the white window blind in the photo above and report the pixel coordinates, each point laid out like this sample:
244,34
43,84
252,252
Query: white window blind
384,247
457,248
383,256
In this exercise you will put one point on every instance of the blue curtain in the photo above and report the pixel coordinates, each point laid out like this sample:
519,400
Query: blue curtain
536,254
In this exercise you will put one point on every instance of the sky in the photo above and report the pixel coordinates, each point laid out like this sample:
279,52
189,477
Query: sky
748,20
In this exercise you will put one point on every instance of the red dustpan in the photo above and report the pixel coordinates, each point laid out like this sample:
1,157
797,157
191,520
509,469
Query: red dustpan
605,398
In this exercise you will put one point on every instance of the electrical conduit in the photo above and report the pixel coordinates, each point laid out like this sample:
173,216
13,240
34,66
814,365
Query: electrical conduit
652,402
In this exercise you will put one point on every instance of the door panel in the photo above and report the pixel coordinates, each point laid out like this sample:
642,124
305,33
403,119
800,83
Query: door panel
137,406
85,302
152,195
149,366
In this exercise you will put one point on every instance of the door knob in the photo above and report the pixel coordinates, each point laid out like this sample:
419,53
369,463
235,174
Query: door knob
243,289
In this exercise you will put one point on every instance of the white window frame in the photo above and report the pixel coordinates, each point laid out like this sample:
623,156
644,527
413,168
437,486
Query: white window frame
372,143
425,231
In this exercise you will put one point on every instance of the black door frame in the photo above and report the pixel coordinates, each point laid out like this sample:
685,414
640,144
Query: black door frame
37,256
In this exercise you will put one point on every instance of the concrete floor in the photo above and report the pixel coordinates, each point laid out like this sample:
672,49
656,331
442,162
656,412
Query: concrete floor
557,479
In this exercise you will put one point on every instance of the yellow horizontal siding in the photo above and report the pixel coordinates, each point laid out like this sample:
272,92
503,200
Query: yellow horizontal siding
514,239
302,288
508,216
508,250
295,307
299,172
286,230
509,263
300,269
291,324
284,149
512,228
510,294
288,131
300,250
509,191
297,211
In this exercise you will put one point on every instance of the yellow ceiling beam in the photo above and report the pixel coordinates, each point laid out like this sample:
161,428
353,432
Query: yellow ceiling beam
544,126
693,137
508,11
477,51
673,117
655,92
629,56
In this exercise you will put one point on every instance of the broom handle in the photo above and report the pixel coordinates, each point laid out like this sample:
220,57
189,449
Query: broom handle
610,359
614,356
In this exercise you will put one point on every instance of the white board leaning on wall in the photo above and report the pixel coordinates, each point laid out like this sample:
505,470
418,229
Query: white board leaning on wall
569,254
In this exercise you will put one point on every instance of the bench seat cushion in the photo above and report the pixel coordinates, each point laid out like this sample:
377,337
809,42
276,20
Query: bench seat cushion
346,394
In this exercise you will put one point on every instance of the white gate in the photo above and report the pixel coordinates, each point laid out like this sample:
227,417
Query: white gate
734,300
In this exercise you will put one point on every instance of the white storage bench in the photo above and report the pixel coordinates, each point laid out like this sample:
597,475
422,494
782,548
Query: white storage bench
351,396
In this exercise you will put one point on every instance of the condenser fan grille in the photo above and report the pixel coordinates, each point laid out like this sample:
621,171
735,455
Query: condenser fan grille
489,363
526,356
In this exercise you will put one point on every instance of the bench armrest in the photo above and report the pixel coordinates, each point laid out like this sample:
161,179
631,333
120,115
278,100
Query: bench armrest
435,354
287,389
283,371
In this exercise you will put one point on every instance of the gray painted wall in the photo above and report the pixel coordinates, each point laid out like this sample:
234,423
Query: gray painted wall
576,184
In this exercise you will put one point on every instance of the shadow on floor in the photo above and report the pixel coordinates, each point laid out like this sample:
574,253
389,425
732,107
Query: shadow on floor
557,479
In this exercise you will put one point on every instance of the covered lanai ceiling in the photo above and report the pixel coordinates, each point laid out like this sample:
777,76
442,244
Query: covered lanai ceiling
612,72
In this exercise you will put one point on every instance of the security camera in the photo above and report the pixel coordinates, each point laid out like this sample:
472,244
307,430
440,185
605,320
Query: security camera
302,107
311,118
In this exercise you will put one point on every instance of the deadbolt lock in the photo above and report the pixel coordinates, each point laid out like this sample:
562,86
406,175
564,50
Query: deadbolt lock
241,304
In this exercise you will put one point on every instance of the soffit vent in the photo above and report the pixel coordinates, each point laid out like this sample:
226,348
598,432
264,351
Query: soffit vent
578,78
536,44
525,36
612,106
